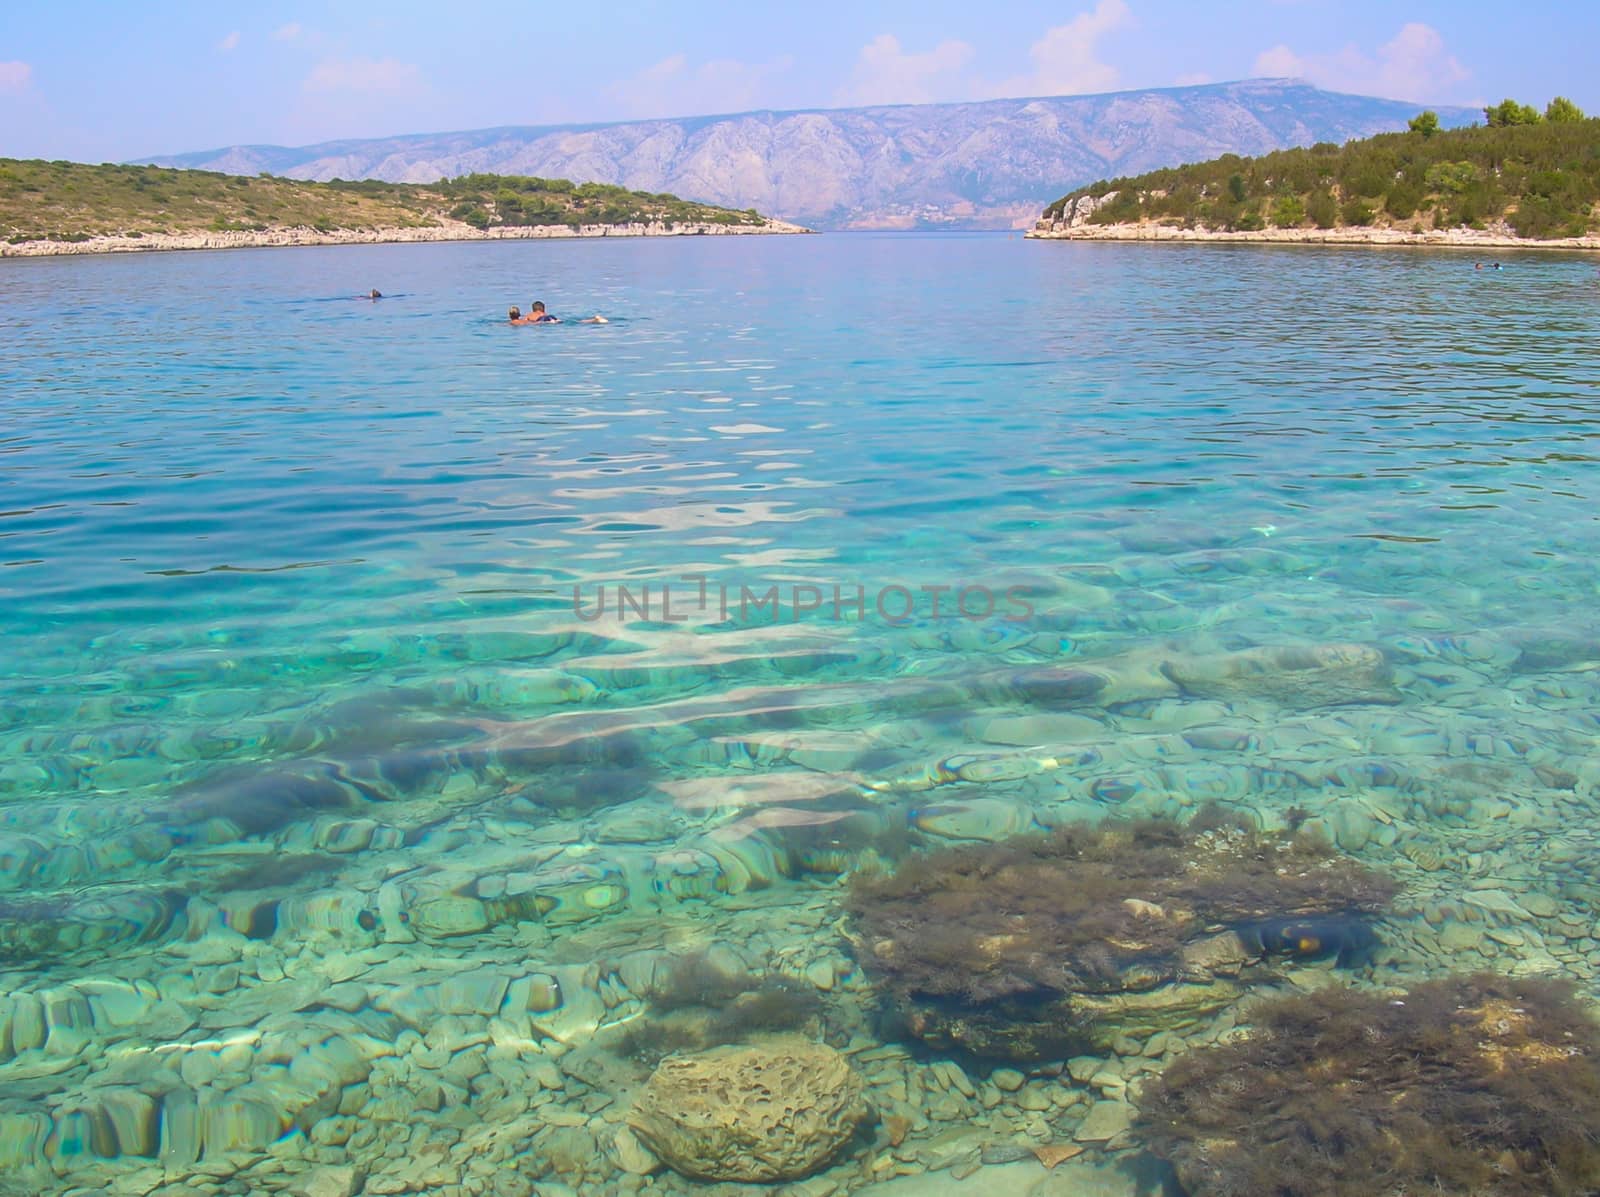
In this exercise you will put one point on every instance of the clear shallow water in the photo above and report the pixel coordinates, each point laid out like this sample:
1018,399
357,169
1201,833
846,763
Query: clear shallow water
333,584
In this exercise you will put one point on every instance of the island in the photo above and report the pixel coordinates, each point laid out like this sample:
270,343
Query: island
71,208
1522,179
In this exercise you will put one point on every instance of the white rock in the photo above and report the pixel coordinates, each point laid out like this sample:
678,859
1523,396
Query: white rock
341,1181
632,1155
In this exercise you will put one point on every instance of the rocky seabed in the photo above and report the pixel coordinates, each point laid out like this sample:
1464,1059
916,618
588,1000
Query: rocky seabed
437,985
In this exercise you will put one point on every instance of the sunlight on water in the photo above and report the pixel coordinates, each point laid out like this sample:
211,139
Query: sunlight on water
398,706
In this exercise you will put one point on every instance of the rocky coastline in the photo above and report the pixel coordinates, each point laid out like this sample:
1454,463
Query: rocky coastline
1494,237
444,230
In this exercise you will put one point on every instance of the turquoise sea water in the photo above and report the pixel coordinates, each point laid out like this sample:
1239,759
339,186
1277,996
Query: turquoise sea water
387,633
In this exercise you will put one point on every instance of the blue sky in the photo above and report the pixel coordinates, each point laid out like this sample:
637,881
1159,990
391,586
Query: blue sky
99,81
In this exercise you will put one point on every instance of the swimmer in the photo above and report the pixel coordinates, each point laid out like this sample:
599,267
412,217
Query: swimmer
537,314
372,294
596,319
515,315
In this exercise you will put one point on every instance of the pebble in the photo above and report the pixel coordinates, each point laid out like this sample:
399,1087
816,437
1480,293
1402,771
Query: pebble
1540,905
340,966
1007,1079
330,1182
349,997
199,1068
952,1076
1081,1068
1005,1153
1108,1082
1032,1098
557,1115
822,975
1105,1120
632,1155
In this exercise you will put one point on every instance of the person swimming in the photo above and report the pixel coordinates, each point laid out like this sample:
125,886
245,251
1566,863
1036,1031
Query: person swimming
537,314
372,294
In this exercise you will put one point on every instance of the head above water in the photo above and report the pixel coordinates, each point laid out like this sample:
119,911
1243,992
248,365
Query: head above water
515,313
538,308
375,294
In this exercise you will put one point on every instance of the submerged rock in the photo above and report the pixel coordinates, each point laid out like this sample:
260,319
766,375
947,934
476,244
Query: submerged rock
777,1110
46,928
1309,675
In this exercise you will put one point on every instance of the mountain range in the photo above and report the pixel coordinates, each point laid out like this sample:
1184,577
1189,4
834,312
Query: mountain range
986,164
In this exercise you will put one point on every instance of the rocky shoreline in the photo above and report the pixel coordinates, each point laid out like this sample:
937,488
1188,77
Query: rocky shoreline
1492,238
445,230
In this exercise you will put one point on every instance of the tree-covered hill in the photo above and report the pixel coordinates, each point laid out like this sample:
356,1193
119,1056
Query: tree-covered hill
1539,174
70,201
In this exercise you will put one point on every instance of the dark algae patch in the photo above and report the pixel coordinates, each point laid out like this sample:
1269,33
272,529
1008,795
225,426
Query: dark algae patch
1041,946
1476,1086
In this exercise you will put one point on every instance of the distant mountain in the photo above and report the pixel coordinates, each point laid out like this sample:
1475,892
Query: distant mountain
993,164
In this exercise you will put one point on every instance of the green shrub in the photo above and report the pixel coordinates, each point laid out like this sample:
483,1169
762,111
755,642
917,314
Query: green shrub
1323,209
1402,199
1355,211
1289,212
1451,178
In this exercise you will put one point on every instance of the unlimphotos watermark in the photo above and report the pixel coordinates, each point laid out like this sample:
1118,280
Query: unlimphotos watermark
696,598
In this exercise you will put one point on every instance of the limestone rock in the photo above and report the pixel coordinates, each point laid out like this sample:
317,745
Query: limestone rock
1106,1120
1297,676
340,1181
1224,954
1007,1079
777,1110
632,1155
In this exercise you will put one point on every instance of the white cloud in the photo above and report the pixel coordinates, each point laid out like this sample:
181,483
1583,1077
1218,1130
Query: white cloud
286,33
231,42
886,74
1065,59
363,75
1280,62
15,77
672,87
1413,65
